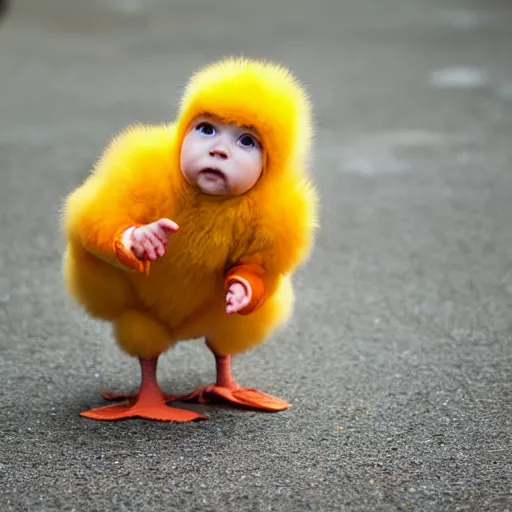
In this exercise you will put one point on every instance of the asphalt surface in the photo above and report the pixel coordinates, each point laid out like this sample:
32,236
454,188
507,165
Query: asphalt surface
398,360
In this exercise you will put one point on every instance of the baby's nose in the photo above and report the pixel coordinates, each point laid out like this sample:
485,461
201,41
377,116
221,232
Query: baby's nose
219,151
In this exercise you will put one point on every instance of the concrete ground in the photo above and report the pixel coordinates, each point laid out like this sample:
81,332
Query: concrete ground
398,360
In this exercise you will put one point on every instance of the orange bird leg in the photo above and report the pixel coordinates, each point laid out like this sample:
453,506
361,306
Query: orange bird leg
149,403
227,390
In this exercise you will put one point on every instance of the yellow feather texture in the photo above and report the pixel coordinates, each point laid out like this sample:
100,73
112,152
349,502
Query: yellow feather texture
138,180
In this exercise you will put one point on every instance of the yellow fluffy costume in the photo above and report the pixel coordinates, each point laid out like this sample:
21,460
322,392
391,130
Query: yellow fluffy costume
262,235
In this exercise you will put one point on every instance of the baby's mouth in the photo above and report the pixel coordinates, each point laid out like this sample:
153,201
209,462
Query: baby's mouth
213,172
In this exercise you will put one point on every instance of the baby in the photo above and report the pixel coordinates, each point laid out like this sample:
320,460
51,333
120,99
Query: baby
193,230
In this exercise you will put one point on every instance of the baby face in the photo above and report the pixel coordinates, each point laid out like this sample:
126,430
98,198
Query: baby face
221,159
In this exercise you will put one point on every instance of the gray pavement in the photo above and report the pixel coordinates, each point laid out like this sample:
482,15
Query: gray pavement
398,360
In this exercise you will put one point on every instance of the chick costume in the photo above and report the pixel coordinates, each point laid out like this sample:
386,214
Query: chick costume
261,236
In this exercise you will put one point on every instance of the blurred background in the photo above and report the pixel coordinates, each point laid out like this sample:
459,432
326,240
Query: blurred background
398,360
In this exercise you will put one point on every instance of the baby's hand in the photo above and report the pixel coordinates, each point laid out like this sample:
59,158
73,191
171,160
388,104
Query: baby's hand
238,296
149,241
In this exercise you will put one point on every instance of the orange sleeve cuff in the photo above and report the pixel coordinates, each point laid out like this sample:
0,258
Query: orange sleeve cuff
125,256
254,275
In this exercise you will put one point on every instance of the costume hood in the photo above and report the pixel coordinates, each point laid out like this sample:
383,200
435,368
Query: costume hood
258,94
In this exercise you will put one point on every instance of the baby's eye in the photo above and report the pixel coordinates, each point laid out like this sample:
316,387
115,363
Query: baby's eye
206,129
247,141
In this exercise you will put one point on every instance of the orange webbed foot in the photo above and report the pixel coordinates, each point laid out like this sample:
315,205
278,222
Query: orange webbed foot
149,403
150,411
244,397
226,390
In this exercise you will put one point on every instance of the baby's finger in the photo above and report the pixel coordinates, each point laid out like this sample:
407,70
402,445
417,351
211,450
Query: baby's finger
168,225
239,294
138,249
160,249
157,243
161,234
148,248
